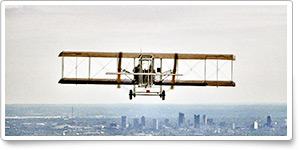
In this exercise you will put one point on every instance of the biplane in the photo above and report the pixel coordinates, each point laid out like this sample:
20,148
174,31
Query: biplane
145,74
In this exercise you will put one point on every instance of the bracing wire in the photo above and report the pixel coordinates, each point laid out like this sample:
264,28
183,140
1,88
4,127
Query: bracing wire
217,69
104,67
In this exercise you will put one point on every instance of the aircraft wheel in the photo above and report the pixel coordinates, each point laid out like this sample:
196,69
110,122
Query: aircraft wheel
130,94
163,95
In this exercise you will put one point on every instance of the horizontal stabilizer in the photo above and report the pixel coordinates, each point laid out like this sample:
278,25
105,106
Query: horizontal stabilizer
154,74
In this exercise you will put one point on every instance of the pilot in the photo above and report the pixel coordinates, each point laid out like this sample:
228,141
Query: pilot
136,70
145,76
152,70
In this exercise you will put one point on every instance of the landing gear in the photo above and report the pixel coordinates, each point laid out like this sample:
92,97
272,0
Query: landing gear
163,95
133,93
130,94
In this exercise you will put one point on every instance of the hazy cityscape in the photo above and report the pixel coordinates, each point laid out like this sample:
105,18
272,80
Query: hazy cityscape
146,120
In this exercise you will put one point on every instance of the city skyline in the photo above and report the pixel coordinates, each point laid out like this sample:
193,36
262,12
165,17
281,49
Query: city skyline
183,125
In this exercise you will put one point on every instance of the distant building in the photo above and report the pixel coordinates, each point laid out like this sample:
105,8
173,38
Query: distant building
269,121
72,112
143,121
113,125
124,122
285,122
222,124
189,123
167,123
196,121
204,119
155,124
210,121
72,117
233,126
181,119
255,125
136,123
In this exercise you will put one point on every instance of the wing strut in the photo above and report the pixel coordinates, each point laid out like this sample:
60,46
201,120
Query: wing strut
174,70
119,68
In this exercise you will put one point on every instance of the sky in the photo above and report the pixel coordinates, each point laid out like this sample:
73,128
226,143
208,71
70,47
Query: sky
35,35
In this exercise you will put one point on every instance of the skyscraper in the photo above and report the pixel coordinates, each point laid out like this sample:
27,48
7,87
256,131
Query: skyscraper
72,117
181,119
255,125
167,122
196,121
124,121
143,121
155,124
113,125
135,123
269,121
72,112
210,121
204,119
189,123
223,124
233,126
285,120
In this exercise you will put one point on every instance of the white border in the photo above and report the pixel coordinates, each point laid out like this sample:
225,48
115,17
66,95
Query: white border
289,70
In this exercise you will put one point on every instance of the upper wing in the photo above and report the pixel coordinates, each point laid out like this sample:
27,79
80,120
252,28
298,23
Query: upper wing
156,55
